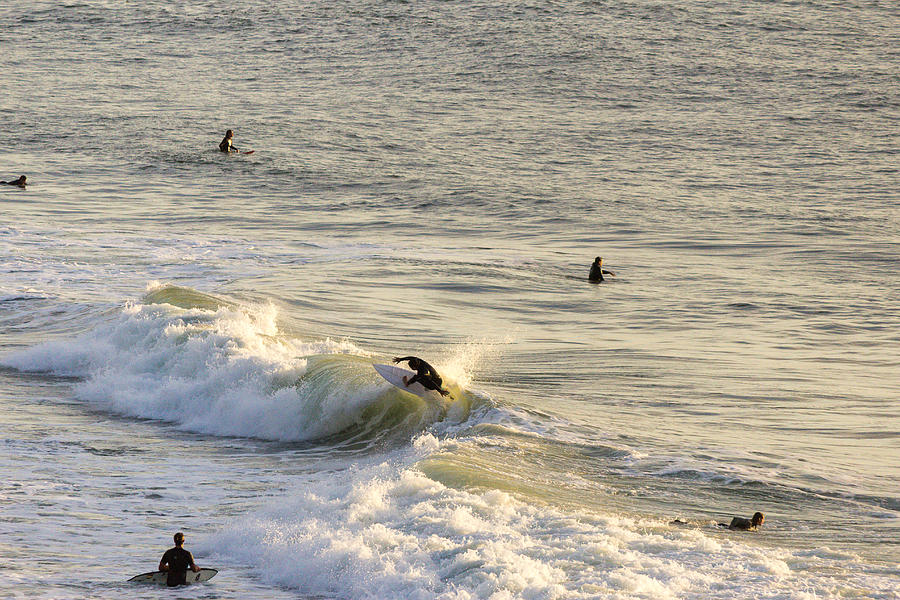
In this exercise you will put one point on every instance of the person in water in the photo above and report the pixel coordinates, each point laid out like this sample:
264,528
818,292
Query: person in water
742,524
176,561
19,182
225,144
425,374
597,273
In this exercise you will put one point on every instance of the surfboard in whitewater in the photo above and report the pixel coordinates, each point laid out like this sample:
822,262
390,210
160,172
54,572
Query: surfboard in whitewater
159,577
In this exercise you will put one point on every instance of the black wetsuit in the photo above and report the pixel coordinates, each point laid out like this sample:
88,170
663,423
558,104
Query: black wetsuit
596,274
19,182
225,145
740,524
425,374
179,561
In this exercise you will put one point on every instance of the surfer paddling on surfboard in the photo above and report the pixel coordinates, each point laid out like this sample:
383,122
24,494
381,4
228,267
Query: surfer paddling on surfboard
742,524
425,375
19,182
176,561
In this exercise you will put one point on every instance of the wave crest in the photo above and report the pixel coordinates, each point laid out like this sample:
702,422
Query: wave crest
213,366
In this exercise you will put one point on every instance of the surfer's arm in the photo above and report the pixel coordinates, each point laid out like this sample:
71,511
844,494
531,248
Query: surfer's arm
398,359
194,566
608,273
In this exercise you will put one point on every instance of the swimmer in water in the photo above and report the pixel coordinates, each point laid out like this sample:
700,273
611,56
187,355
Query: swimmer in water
19,182
596,275
425,374
742,524
225,144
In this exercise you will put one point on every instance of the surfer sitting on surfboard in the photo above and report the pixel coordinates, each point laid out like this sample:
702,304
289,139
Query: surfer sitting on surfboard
176,562
225,144
597,272
425,374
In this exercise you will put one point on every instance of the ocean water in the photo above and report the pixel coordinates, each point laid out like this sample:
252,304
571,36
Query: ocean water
186,337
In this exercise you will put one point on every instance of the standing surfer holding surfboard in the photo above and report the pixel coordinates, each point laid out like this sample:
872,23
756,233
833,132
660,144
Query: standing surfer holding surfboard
176,562
425,374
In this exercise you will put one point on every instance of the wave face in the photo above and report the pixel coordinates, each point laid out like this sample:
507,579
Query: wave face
215,367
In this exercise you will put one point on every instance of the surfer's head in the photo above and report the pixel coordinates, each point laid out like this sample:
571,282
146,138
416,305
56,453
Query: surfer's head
229,134
179,538
598,260
757,519
21,179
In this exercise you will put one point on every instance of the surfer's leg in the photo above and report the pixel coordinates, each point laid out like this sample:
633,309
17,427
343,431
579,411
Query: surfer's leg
429,383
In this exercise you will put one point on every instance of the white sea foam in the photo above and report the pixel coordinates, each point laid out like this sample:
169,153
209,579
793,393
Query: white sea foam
225,371
388,531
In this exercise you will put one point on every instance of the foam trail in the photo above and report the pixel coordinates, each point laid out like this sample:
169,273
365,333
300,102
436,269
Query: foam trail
388,531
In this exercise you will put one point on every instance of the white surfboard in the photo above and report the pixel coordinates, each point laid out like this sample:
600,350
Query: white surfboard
160,576
395,375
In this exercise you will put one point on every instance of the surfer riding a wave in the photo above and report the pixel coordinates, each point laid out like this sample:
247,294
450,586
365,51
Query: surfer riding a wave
425,374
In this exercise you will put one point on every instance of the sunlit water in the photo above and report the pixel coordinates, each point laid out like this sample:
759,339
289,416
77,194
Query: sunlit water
186,338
